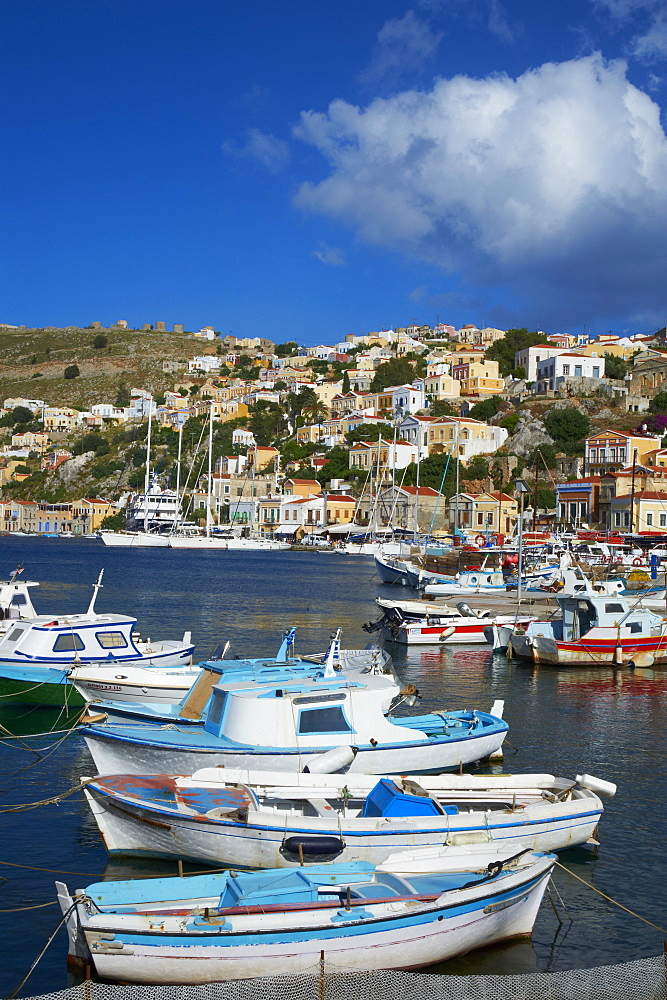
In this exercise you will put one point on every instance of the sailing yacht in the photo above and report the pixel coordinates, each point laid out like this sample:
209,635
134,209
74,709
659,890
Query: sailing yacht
185,537
147,508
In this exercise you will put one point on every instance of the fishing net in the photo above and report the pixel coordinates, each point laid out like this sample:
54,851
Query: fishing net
644,979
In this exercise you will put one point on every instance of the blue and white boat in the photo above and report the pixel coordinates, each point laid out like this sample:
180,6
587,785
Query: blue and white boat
274,820
287,724
182,694
241,925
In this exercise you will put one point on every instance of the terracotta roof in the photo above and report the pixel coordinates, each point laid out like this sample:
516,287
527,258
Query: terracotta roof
645,495
424,491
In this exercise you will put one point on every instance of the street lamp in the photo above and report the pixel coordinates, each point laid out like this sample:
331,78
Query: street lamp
520,487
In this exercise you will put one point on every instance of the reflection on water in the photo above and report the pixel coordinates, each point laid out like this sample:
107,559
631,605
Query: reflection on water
608,723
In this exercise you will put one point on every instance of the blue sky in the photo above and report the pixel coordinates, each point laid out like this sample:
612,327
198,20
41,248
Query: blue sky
304,170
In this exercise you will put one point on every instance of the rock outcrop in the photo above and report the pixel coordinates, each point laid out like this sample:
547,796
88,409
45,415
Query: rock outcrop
529,434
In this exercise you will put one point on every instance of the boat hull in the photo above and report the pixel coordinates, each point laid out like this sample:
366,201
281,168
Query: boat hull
114,754
593,652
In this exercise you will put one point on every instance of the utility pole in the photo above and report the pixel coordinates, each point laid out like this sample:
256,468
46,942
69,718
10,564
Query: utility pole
632,493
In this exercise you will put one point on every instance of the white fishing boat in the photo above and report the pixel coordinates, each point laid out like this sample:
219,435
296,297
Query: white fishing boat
37,654
343,918
258,820
442,626
593,629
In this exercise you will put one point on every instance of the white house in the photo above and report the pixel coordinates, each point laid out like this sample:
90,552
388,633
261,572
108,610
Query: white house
205,363
408,398
530,357
110,412
414,430
243,438
552,372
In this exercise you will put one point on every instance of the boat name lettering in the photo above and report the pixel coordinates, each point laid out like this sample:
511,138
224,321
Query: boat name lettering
315,699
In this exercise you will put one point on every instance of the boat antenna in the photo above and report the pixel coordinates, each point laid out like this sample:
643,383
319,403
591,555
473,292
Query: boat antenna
96,587
332,660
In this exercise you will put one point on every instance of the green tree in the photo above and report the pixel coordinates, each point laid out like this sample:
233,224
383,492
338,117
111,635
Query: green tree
441,408
315,412
286,349
114,522
72,371
659,403
477,468
503,350
370,432
22,415
615,367
568,427
337,467
396,371
510,422
486,408
267,422
100,341
122,395
346,382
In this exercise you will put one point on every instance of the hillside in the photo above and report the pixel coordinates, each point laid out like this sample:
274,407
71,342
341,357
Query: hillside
32,362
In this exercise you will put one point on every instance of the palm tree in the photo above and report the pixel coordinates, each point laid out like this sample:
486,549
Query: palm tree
315,412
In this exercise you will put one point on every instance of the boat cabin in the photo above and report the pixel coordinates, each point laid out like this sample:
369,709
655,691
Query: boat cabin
60,640
582,614
308,713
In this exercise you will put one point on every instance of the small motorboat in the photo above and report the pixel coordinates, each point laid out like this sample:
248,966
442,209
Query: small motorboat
246,925
38,653
442,626
593,630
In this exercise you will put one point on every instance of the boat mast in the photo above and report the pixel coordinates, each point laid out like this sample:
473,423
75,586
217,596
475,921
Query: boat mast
177,512
148,461
96,586
210,470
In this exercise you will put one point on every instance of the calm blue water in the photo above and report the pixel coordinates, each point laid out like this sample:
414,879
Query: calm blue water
609,724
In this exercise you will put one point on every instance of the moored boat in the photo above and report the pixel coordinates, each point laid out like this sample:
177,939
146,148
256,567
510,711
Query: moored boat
247,925
257,820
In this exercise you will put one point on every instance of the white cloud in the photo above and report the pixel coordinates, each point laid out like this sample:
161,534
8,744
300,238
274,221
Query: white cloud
331,256
553,185
403,45
263,148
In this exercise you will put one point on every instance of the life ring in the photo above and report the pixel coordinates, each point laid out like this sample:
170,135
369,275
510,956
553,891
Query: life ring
480,540
637,562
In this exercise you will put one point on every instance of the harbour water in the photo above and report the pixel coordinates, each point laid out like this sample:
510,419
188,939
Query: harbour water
604,722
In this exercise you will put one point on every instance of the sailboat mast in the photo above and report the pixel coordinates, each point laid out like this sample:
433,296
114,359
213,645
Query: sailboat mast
147,477
210,471
177,512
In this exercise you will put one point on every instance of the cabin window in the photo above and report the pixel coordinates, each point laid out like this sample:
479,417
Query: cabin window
635,626
67,642
111,640
215,711
323,720
613,608
15,634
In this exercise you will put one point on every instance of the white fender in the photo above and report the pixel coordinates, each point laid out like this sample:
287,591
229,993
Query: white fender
597,785
331,761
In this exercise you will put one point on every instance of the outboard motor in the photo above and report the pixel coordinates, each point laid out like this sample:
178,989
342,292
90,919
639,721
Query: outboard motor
465,610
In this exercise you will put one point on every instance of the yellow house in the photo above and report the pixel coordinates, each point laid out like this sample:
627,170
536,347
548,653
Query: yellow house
478,378
87,515
60,418
442,387
464,437
611,451
482,513
643,512
301,488
261,457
